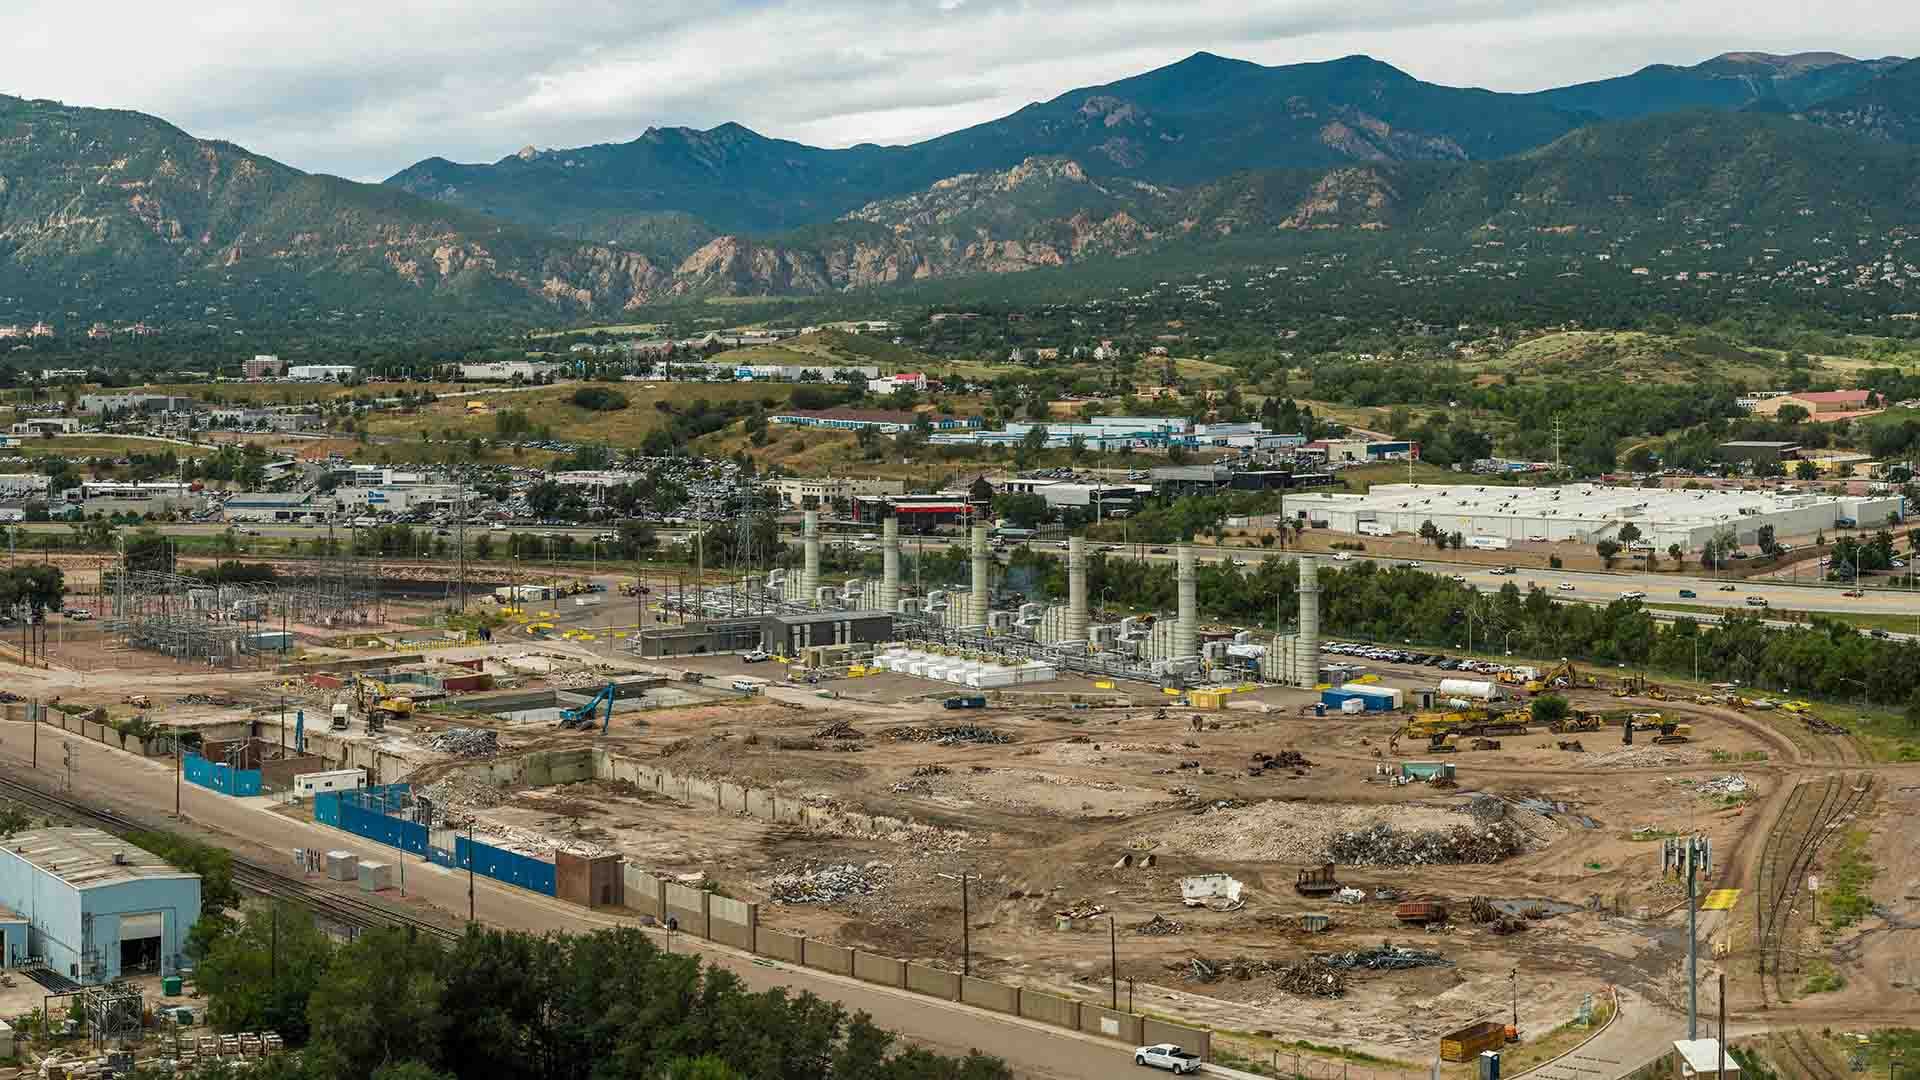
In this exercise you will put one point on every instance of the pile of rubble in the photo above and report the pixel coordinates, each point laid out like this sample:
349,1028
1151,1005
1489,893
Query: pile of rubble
1387,957
827,884
1649,757
839,729
455,798
1238,968
1384,845
579,680
1160,926
209,699
1311,978
1285,759
466,742
948,734
1732,784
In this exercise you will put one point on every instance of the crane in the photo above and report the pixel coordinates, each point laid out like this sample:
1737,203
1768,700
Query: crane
582,716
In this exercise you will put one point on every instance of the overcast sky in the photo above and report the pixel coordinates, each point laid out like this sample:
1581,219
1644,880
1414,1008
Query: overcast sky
363,88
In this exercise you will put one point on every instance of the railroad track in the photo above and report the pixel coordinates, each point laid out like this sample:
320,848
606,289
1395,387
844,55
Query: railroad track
348,911
1813,808
1807,1061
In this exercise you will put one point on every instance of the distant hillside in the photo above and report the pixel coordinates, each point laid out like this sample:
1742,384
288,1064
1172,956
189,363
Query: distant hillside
1734,80
1888,108
124,215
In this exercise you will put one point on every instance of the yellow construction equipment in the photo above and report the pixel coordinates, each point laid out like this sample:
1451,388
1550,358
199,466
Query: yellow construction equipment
1674,733
1561,676
1580,720
139,701
378,704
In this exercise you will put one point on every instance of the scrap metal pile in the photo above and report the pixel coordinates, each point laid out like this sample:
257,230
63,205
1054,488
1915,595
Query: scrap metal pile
1383,845
1311,977
827,884
466,742
1387,957
209,699
1160,926
949,734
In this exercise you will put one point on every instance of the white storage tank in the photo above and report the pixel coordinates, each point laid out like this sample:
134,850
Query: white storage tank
1474,689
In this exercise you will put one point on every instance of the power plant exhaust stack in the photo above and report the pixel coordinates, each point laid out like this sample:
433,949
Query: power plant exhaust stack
1076,628
890,564
1186,627
1306,652
810,570
982,560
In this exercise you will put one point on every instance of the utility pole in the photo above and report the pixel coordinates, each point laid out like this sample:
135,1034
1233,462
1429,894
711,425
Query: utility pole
1696,853
460,541
1113,953
966,930
470,870
1720,1066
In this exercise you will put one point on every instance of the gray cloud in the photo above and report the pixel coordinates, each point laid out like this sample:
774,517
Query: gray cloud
363,89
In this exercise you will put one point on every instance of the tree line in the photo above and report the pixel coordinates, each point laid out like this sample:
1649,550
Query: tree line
506,1005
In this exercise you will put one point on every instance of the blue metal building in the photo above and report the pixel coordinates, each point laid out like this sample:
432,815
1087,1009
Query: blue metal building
95,906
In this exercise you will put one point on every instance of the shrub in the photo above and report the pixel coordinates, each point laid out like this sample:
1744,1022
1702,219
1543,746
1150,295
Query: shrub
599,399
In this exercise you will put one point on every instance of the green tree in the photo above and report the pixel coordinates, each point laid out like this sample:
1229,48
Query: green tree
379,1005
1431,533
1806,470
1679,556
1629,534
1607,550
1549,708
259,975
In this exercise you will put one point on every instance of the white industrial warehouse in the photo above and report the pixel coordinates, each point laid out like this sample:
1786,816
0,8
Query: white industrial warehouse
1587,513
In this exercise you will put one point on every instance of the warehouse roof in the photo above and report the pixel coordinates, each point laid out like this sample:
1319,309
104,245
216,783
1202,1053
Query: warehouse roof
828,617
86,858
1597,503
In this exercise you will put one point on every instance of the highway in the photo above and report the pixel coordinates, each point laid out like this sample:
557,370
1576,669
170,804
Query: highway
146,790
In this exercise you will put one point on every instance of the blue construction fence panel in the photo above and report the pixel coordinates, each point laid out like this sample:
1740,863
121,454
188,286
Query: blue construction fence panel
220,777
501,865
365,813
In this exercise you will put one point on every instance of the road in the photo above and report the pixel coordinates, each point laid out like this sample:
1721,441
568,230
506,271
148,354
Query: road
146,789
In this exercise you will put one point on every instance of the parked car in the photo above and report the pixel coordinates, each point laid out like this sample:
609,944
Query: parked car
1167,1056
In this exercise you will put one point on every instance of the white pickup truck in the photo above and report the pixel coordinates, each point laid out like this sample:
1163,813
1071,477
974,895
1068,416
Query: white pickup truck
1167,1056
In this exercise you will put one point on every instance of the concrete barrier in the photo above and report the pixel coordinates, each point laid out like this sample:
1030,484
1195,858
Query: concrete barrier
835,958
933,982
989,995
884,970
1192,1040
689,907
1108,1024
646,894
777,945
732,922
1049,1009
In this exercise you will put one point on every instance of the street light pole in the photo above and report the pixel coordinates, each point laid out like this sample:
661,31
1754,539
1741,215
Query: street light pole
966,931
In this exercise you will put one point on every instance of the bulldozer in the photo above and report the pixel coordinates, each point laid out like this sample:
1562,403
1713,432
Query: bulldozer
378,704
1671,732
1580,720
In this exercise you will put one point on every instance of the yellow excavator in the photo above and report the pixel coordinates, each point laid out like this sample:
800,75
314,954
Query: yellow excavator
378,704
1561,676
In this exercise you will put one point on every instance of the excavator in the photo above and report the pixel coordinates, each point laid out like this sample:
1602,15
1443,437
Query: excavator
1665,732
1578,720
378,704
1561,676
582,716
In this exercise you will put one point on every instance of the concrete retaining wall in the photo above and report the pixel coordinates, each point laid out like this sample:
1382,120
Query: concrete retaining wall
1104,1022
835,958
646,894
778,945
989,995
933,982
1192,1040
689,907
1049,1009
732,922
884,970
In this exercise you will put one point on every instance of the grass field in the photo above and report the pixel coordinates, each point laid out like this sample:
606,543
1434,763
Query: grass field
290,393
91,445
1632,356
552,407
1866,620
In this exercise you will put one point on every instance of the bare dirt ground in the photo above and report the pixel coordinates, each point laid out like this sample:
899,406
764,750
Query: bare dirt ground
1063,819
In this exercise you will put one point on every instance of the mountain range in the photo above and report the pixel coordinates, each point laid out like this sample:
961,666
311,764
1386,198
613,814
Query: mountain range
113,214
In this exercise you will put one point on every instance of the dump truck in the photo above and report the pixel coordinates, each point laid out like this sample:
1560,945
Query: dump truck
1420,912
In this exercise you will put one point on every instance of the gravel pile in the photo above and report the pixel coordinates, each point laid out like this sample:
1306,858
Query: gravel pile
1648,757
827,884
467,742
1300,833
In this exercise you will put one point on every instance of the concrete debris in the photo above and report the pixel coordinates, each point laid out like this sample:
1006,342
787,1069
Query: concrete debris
1160,926
455,798
948,734
1211,890
1349,895
1384,845
1733,784
1649,757
1311,978
827,884
467,742
209,699
1388,957
1083,910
